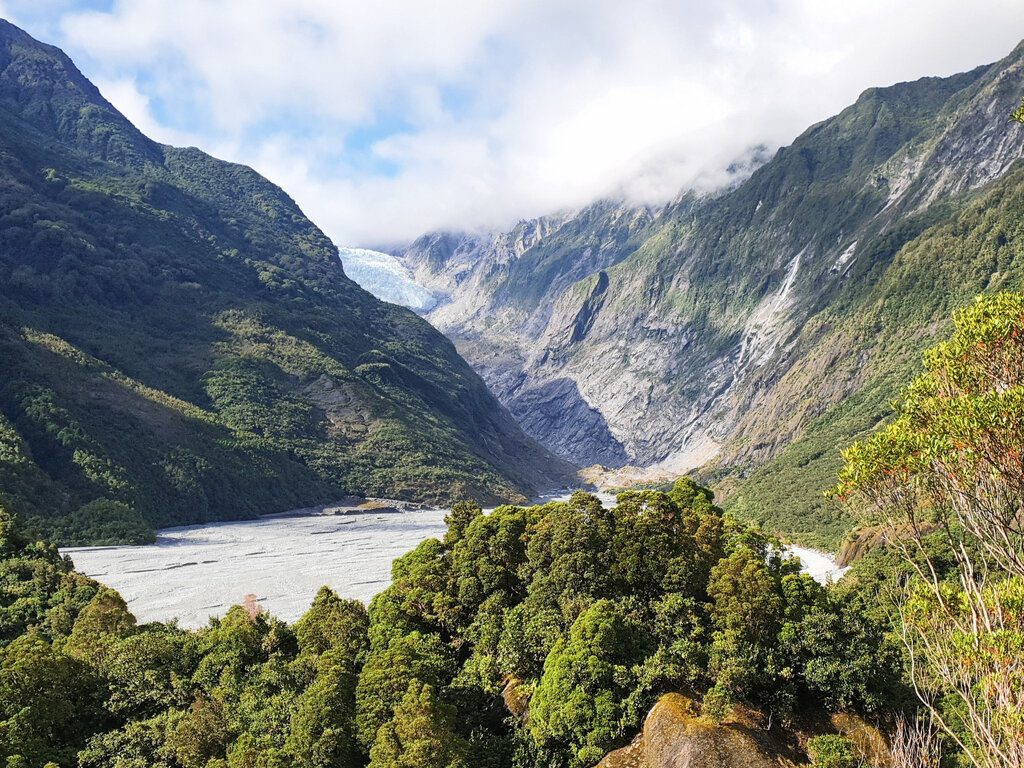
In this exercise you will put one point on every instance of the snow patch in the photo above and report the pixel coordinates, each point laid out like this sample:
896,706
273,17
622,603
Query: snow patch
386,278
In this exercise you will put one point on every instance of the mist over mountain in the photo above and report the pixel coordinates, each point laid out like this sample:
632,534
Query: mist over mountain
727,330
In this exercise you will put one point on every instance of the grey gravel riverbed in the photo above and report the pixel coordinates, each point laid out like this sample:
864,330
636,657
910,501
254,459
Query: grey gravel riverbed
196,572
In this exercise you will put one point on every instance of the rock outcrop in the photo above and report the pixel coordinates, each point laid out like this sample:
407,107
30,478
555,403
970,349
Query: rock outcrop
675,736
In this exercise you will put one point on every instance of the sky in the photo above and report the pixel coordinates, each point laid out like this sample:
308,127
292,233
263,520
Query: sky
385,119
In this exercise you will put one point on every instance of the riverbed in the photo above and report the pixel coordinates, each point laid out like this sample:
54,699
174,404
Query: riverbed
196,572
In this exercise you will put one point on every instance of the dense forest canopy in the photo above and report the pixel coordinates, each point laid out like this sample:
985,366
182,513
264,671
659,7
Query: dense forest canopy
530,636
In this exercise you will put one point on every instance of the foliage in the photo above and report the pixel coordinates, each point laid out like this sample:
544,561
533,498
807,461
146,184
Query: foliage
527,637
38,589
951,460
387,675
49,702
832,752
584,615
422,732
585,683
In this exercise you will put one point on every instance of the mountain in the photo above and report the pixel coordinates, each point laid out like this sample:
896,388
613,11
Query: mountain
746,333
181,344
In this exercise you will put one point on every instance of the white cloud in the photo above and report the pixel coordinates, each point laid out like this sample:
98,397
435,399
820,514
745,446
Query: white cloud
384,118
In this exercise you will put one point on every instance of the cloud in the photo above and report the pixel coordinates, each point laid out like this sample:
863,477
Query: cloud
384,119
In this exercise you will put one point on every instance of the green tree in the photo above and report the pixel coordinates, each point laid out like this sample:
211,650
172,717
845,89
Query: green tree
746,611
37,586
485,561
386,676
579,702
953,459
50,704
11,540
100,624
148,672
421,733
139,744
333,623
832,751
201,734
458,520
322,732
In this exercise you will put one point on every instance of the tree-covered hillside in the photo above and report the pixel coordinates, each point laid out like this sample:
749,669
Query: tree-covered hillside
892,319
180,344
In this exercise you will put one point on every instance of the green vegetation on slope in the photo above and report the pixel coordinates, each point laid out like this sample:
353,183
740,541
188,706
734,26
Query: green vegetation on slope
180,341
773,319
896,316
951,462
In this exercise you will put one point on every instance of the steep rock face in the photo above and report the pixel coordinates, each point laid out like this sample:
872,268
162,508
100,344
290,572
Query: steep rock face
178,338
499,294
717,329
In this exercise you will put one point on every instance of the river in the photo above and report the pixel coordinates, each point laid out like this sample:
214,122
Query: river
195,572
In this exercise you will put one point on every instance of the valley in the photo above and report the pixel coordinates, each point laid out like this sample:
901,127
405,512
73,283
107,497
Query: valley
824,353
181,344
731,334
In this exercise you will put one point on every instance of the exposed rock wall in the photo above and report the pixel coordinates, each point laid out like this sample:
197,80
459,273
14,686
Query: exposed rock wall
719,327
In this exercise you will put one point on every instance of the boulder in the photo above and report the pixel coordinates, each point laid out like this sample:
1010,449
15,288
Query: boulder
627,757
675,737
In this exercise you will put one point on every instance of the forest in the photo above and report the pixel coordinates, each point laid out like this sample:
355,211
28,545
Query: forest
579,615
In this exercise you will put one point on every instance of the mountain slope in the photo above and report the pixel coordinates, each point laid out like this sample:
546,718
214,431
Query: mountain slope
722,328
178,338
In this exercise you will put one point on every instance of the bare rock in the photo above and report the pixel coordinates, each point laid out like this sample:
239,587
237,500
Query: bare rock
674,737
627,757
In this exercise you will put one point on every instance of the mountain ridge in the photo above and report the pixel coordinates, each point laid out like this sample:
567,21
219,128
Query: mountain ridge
729,322
183,345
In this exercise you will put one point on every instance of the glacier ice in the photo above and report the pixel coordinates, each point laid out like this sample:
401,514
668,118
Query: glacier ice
386,278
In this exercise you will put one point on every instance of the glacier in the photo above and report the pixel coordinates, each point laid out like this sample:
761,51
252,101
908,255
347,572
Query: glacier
386,278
